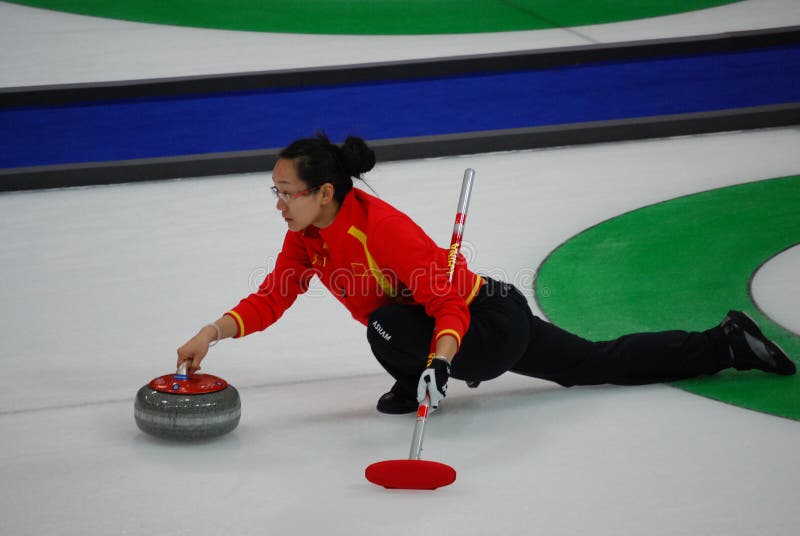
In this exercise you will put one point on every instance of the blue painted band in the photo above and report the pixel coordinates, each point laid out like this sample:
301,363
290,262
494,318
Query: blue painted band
213,123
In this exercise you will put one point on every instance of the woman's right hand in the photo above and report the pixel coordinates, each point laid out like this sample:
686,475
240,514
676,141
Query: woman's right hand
196,348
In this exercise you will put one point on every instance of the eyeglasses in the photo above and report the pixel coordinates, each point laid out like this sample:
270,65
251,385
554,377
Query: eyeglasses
286,197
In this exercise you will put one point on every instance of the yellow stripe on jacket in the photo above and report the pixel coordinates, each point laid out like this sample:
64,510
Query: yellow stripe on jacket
374,269
239,322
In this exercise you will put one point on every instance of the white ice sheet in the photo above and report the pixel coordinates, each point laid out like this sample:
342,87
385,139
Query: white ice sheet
100,285
39,47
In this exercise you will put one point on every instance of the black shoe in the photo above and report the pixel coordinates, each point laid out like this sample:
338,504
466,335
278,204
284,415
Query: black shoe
397,402
750,349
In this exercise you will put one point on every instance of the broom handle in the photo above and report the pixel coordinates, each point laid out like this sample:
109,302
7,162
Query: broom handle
455,248
461,219
419,429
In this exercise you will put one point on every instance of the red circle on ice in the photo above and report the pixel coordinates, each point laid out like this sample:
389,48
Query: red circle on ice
194,384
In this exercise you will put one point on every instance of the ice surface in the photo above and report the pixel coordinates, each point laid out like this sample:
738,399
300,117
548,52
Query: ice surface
42,47
776,291
101,285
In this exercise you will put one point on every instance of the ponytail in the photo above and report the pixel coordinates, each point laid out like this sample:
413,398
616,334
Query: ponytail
319,161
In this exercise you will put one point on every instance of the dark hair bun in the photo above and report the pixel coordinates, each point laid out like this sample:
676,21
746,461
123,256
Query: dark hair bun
359,158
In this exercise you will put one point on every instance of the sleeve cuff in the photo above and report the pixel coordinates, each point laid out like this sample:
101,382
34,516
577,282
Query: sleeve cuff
448,331
239,322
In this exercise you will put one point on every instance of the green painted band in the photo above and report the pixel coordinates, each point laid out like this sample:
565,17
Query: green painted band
368,17
681,264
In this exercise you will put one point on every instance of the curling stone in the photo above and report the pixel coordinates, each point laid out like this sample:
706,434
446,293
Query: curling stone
187,407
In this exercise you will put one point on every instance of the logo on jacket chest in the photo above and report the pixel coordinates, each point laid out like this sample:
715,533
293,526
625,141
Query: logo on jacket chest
319,259
319,255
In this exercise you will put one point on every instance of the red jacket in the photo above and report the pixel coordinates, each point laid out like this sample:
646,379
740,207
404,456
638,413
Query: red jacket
370,255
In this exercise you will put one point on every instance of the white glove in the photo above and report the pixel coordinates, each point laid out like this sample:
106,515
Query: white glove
433,381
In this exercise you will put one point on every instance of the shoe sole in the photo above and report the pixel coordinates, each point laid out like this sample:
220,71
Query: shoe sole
403,412
763,343
397,409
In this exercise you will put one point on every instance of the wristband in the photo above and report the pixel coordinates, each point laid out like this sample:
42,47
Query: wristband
219,333
440,357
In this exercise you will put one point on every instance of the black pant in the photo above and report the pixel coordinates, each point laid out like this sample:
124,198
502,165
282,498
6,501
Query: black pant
504,335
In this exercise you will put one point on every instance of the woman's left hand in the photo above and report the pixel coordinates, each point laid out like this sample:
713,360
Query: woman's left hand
433,381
